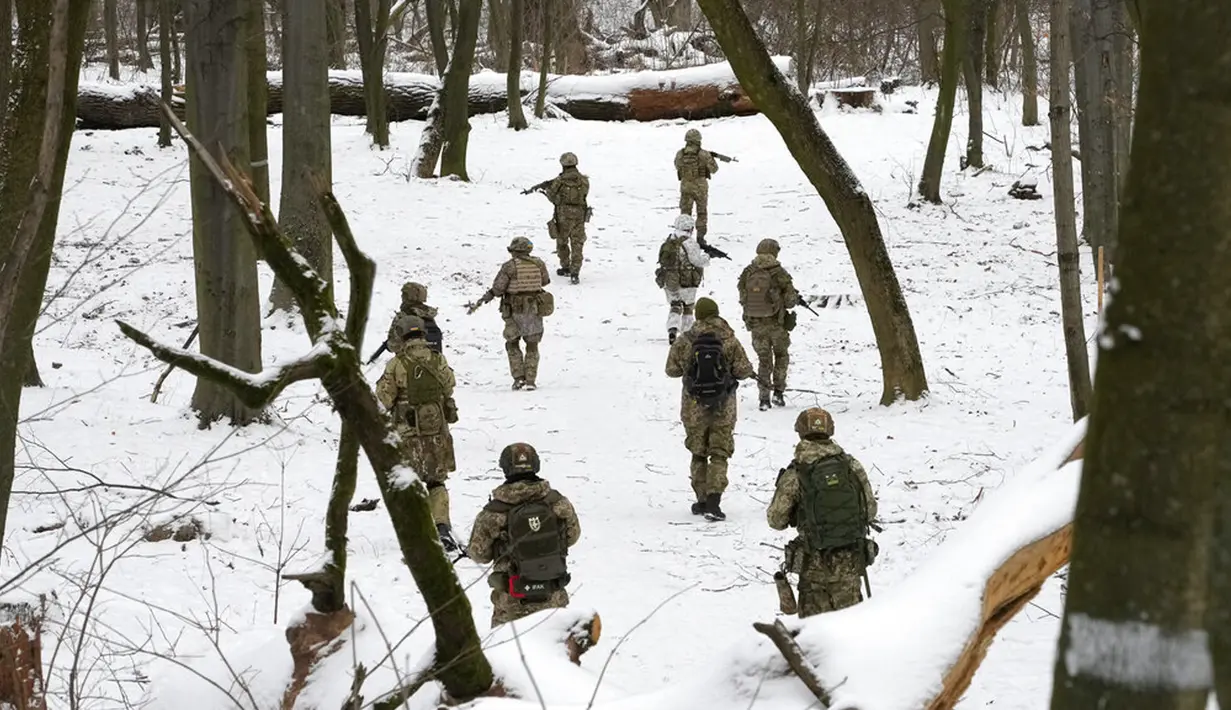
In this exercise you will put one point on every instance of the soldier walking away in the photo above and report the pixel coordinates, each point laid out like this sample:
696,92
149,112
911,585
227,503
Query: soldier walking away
710,360
825,495
523,305
694,166
766,293
526,530
417,389
681,266
414,303
569,192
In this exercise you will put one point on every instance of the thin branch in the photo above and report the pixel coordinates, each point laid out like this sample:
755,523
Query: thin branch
167,372
361,266
795,658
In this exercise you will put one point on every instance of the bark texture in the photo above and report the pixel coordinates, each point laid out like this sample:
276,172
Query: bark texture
1030,65
456,89
972,69
111,38
167,89
517,115
371,31
928,21
950,75
258,138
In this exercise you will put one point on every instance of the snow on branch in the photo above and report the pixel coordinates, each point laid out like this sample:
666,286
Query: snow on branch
254,390
361,266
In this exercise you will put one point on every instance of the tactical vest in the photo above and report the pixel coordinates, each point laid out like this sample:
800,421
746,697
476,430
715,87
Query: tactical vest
761,296
673,259
423,385
690,164
572,190
535,547
832,511
527,278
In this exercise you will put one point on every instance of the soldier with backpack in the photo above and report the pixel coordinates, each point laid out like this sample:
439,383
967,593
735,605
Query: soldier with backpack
569,192
523,305
414,303
710,360
766,293
693,167
525,530
417,389
681,266
825,495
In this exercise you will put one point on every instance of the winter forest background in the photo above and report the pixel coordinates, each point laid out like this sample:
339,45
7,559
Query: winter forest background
981,198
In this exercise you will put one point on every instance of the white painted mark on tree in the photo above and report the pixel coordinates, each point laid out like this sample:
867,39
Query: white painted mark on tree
1138,655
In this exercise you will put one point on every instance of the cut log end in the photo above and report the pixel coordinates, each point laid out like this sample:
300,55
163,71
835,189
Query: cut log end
583,637
312,639
21,655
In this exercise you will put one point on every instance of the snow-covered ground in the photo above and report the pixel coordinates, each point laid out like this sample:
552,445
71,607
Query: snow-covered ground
979,276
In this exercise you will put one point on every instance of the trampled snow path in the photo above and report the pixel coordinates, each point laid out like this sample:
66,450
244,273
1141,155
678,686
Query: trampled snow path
979,284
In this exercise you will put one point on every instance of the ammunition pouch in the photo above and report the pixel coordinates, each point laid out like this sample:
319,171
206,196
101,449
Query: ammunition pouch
450,408
589,213
870,551
506,307
552,230
660,277
793,556
788,320
546,304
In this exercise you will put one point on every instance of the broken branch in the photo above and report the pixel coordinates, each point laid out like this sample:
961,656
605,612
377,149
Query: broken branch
795,658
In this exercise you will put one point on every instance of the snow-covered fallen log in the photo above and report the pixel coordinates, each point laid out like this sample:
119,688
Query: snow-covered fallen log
695,93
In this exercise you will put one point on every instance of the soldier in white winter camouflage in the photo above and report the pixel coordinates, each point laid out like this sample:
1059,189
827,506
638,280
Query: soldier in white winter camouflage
681,267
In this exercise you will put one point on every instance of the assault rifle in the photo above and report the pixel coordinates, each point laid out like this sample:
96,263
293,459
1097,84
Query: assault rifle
804,304
541,186
724,158
712,251
384,347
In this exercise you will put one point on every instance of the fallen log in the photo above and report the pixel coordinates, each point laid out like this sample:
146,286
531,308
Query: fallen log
693,94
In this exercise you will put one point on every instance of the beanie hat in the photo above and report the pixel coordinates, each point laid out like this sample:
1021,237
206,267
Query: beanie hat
706,308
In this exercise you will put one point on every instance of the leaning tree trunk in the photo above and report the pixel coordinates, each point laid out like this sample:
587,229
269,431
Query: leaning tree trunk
20,140
228,306
517,115
942,124
164,70
306,145
972,68
1138,609
835,182
540,101
111,37
1067,256
371,32
144,63
336,26
927,21
456,90
258,138
1030,66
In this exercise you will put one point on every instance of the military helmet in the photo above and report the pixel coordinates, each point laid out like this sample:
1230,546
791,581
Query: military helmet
568,160
684,224
521,245
768,246
814,422
411,326
692,135
519,459
414,292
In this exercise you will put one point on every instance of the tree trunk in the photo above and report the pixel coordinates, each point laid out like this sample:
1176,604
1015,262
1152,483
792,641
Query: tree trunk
1030,67
973,70
852,209
1071,310
1096,130
20,139
177,56
111,32
928,20
336,26
436,19
144,62
498,33
6,54
371,32
228,306
517,115
1122,47
991,42
1138,609
955,50
540,102
32,378
456,90
258,138
164,60
306,145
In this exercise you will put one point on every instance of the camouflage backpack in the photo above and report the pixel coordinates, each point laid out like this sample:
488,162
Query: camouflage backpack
831,511
709,380
422,385
668,260
761,296
573,193
535,547
690,163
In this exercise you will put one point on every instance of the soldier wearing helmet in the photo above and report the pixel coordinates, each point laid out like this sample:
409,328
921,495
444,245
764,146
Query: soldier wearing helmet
569,193
524,531
523,305
767,294
417,390
414,303
825,495
681,266
693,167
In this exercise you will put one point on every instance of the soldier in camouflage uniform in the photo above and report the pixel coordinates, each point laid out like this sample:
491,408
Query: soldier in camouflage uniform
523,305
694,166
417,389
766,292
414,303
569,192
681,266
491,541
825,494
709,426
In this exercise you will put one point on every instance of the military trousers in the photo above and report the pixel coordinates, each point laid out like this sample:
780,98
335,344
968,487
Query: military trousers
709,435
682,301
772,344
506,607
523,327
696,192
570,239
830,580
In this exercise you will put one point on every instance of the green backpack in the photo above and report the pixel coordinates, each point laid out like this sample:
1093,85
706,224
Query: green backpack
831,511
423,386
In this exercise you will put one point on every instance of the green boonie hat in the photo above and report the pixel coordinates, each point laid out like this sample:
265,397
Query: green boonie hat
706,308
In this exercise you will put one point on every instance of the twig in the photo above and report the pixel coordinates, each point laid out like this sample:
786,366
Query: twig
165,373
522,654
795,658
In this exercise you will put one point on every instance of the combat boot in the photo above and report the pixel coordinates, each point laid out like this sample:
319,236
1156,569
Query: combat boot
562,271
698,508
712,510
764,404
779,399
519,383
671,335
574,279
530,387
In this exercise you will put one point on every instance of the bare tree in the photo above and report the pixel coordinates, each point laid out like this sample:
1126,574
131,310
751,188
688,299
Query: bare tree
1067,256
852,209
373,39
1147,582
111,32
306,145
336,26
994,17
258,93
436,17
142,22
228,306
972,68
6,54
950,70
517,14
540,101
456,89
165,28
1030,66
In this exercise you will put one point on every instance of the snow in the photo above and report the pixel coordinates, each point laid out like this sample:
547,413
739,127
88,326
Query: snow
1138,655
604,419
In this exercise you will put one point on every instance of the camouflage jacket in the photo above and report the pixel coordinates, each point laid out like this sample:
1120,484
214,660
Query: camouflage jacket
570,193
679,358
702,167
391,388
788,296
393,340
489,535
787,492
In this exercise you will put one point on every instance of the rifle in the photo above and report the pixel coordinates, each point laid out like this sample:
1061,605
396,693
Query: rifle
724,158
713,252
384,347
804,304
540,186
472,307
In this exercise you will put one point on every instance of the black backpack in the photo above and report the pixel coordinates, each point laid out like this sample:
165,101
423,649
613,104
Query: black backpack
535,549
709,380
435,338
